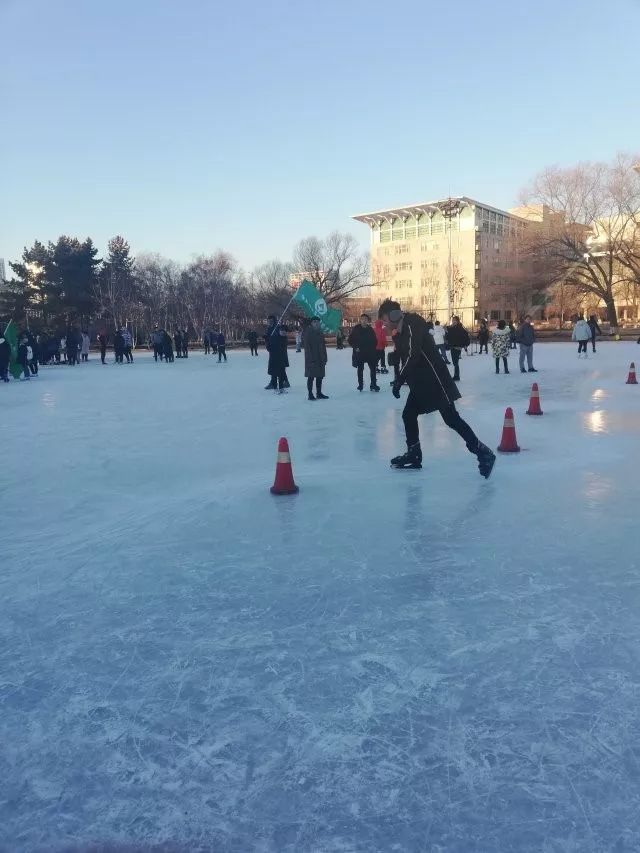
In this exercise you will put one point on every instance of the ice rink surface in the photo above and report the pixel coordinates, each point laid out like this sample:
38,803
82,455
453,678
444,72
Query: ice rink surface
388,661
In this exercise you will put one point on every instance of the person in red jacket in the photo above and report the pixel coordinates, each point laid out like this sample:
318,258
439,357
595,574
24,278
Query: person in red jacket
381,344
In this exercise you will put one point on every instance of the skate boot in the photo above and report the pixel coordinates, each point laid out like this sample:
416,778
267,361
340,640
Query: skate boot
375,388
321,396
411,459
486,460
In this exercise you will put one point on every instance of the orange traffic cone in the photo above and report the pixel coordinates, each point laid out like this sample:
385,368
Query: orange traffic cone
284,484
534,401
631,379
508,443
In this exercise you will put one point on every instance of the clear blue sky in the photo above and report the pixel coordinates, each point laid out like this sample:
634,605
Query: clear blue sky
192,125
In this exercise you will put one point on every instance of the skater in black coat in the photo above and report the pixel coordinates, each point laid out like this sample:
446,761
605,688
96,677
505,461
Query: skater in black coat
167,347
185,344
5,358
363,341
595,330
102,341
177,339
276,345
252,337
24,356
483,337
431,387
457,339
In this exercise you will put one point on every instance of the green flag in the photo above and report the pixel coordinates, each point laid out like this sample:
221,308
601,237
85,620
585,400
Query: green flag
11,337
314,305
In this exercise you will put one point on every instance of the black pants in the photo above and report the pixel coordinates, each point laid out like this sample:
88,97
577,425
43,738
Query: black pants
129,354
4,372
372,372
318,385
25,368
185,352
157,352
582,347
103,354
382,359
207,349
222,353
505,362
455,358
449,415
486,347
254,349
72,357
593,341
33,364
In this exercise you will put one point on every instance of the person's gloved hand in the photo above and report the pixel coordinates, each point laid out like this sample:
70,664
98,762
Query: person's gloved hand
395,390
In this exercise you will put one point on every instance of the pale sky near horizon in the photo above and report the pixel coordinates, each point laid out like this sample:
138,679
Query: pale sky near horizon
191,126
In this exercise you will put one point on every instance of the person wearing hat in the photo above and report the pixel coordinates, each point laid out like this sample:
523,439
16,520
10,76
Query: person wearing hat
276,344
431,387
363,341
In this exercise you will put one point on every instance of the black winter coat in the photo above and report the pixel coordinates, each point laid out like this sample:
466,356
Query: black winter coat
457,337
363,340
5,354
315,353
423,369
276,344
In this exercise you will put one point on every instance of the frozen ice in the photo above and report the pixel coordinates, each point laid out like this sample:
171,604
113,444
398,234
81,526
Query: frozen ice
389,660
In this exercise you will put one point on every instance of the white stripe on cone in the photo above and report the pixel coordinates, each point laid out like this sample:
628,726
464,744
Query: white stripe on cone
283,457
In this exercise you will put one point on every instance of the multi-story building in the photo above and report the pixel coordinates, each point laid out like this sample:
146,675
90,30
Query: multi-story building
453,256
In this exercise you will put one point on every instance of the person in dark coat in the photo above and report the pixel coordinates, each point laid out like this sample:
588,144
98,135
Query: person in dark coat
513,337
276,340
315,358
457,339
483,337
222,346
167,347
5,358
363,341
206,340
431,388
595,330
102,342
185,343
252,337
177,339
118,346
73,346
24,354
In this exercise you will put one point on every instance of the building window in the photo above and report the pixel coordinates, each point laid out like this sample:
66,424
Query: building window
402,249
507,314
495,315
405,265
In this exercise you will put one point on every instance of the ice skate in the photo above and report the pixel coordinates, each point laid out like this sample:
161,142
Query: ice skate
321,396
375,388
360,387
411,459
486,460
311,397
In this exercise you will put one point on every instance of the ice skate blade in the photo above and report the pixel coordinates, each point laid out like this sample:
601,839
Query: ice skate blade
415,466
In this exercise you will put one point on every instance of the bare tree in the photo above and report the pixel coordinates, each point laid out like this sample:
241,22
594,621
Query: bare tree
592,243
336,265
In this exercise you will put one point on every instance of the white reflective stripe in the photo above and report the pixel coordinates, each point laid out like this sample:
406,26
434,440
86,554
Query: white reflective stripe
508,423
404,366
283,457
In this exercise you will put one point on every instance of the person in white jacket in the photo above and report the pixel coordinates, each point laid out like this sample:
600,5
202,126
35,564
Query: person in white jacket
84,347
438,333
582,334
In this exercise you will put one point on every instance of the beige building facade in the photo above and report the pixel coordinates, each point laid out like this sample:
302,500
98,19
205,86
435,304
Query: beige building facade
453,256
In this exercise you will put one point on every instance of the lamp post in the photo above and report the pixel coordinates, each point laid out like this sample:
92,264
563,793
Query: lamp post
449,209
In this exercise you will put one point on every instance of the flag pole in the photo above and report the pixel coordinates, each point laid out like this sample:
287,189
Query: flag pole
284,312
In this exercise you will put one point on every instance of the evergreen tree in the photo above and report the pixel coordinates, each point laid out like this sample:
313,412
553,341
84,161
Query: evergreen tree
73,276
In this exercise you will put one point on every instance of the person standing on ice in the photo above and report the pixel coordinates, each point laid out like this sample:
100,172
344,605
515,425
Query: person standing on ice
595,330
483,336
102,340
185,343
363,340
157,340
315,358
177,340
500,345
252,337
84,348
381,346
24,356
438,336
581,334
431,388
526,337
167,347
5,358
457,339
275,341
298,340
222,346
